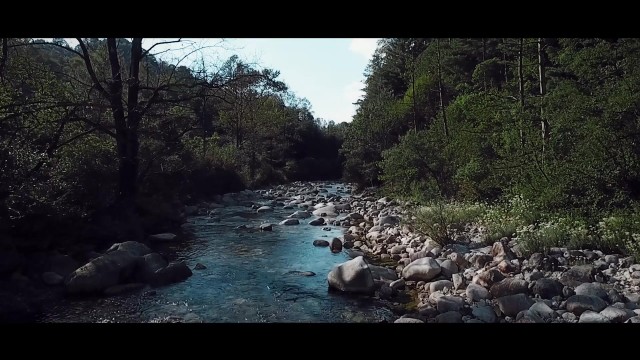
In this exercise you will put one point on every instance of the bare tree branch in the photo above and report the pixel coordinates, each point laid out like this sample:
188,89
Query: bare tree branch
92,73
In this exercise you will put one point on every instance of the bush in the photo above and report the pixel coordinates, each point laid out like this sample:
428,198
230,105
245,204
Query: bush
440,219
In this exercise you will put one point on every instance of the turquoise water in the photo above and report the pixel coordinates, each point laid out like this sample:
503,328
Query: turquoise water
251,276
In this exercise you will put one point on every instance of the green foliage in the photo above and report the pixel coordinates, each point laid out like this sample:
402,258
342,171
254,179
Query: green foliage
439,219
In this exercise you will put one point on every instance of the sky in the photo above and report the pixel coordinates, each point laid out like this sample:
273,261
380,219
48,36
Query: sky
327,72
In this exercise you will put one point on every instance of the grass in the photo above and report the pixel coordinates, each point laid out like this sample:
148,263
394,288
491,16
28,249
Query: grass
535,231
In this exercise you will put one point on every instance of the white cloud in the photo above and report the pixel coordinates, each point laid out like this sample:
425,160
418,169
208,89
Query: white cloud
364,47
353,91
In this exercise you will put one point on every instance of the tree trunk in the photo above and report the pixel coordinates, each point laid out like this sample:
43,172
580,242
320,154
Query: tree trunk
444,114
3,57
544,126
521,89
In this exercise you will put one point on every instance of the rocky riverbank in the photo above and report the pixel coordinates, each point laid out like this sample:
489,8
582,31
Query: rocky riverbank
420,281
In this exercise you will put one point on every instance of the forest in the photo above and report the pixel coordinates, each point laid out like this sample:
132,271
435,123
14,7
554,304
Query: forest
544,130
535,137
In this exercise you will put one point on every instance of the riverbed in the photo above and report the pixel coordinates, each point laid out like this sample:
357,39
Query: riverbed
250,276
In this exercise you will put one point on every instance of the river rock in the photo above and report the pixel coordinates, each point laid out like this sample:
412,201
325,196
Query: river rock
480,260
578,304
484,313
390,220
329,210
617,315
398,284
547,288
290,222
266,227
500,251
317,222
488,278
353,276
476,292
449,303
448,268
148,266
336,245
509,286
458,281
450,317
594,289
423,269
408,320
577,275
174,272
320,243
132,247
199,267
440,285
103,272
511,305
264,209
383,273
589,316
301,215
542,310
164,237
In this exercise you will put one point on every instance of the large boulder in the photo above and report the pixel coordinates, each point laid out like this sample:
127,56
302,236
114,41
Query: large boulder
423,269
353,276
132,247
149,265
329,210
509,286
593,289
577,275
383,273
547,288
174,272
578,304
105,271
476,292
511,305
317,222
289,222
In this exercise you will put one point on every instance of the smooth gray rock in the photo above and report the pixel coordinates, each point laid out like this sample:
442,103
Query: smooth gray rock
511,305
476,292
335,245
398,284
383,273
448,268
543,310
353,276
408,320
578,304
577,275
289,222
509,286
484,313
317,222
488,278
617,315
458,281
440,285
264,209
449,303
103,272
148,266
423,269
450,317
593,289
266,227
589,316
132,247
174,272
547,288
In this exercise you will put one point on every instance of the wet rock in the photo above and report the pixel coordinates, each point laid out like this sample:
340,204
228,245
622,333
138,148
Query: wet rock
511,305
264,209
132,247
103,272
547,288
578,304
589,316
440,285
336,245
164,237
199,267
476,292
617,315
423,269
326,228
148,266
301,273
124,288
593,289
289,222
52,279
509,286
301,215
353,276
317,222
386,292
173,273
449,303
266,227
488,278
349,245
450,317
577,275
329,210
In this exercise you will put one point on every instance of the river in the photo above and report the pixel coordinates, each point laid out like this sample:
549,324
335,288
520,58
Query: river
250,276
